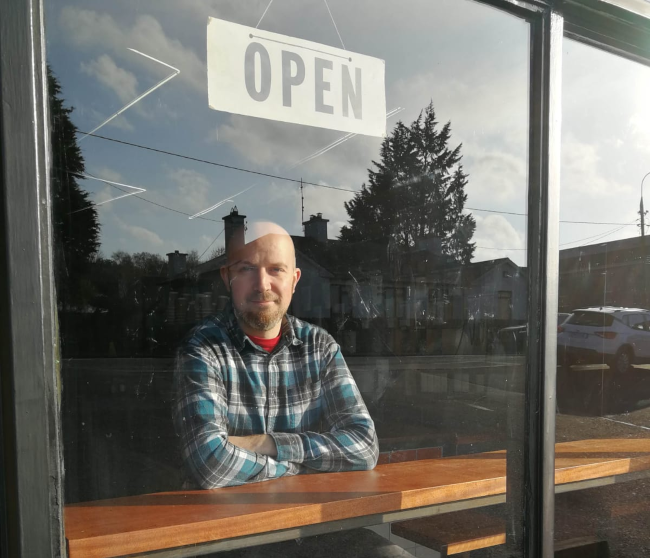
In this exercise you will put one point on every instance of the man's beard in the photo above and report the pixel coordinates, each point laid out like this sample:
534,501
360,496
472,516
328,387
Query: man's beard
265,318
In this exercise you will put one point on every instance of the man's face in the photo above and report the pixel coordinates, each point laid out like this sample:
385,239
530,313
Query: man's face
261,277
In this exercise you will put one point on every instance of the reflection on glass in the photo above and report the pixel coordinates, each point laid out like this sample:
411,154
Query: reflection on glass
411,247
604,341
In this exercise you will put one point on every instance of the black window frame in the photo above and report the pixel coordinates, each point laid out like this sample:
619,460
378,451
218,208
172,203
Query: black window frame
31,468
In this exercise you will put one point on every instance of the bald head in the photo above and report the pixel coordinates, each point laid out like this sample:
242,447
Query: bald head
257,235
261,276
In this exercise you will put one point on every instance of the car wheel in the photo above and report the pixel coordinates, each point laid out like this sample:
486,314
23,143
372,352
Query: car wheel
622,361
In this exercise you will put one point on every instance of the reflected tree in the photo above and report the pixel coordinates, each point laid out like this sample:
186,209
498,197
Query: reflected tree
74,218
416,191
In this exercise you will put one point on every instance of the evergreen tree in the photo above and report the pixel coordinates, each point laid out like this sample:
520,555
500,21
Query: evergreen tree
74,218
417,190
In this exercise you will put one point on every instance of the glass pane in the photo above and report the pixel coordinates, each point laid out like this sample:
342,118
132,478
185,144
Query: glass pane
604,346
389,142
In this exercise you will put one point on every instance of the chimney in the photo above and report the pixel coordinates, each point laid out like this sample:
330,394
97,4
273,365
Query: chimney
177,263
316,227
233,223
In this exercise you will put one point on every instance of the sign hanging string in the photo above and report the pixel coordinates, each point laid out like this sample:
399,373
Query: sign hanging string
328,10
267,9
334,22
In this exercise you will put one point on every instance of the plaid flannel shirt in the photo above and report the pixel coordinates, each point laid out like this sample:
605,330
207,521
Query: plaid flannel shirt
302,394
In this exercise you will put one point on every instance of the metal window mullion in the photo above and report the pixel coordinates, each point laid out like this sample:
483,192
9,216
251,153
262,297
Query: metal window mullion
551,255
31,457
543,232
606,26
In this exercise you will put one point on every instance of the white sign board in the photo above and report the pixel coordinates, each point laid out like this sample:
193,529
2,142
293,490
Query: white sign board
267,75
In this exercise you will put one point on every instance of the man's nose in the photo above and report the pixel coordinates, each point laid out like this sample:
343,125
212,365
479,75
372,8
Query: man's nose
262,280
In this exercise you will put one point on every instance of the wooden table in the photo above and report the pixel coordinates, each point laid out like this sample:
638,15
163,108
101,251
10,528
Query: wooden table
306,505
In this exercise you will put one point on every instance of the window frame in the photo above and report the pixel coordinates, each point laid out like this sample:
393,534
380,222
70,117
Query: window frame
31,468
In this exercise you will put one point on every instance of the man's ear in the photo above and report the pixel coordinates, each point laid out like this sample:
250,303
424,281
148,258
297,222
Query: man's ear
296,277
224,277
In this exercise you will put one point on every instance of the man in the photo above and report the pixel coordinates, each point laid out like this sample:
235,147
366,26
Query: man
261,394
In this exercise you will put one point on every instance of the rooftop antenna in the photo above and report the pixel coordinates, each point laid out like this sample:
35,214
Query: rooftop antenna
302,200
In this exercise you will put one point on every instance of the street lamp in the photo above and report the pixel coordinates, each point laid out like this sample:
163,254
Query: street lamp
641,206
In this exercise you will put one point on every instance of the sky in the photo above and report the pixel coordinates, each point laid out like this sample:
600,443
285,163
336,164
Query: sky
470,60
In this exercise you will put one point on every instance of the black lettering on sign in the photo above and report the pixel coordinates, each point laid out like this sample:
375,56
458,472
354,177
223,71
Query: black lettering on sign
265,72
321,85
288,79
351,95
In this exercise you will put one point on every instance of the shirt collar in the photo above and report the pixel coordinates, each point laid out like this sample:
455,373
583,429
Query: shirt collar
239,338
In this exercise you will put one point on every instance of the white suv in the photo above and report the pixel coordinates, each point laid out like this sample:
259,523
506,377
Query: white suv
618,337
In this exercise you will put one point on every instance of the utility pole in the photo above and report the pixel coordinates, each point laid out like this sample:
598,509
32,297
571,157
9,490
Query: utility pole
641,210
302,201
644,252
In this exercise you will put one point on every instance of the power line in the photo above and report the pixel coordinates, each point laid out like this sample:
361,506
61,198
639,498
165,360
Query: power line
197,160
211,243
298,180
497,211
502,249
595,238
561,220
76,175
596,223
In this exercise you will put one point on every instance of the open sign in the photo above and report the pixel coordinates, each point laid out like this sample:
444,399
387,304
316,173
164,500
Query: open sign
267,75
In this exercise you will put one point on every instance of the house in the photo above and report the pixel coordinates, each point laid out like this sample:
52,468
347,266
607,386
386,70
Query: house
371,296
605,274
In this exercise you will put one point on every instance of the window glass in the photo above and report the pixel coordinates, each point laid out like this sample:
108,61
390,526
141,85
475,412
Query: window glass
636,321
389,141
604,354
591,319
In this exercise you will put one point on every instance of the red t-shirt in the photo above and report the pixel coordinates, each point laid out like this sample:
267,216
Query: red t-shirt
267,344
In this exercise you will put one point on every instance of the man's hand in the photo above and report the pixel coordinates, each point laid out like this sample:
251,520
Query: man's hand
259,443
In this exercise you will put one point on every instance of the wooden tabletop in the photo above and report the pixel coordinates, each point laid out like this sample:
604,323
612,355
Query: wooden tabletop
109,528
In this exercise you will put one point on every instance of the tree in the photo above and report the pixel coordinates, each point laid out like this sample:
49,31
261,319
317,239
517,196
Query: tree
74,218
416,191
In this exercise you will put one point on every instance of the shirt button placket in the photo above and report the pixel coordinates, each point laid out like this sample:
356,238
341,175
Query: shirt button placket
273,392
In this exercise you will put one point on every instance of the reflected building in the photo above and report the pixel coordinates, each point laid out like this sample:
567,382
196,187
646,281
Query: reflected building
374,298
605,274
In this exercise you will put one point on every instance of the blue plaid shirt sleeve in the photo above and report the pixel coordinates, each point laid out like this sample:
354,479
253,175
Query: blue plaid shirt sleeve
349,442
201,421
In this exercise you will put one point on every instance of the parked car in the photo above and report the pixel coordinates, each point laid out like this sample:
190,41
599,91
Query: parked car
618,337
513,340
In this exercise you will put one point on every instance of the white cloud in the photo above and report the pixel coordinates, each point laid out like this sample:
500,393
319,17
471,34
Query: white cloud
213,135
108,174
88,29
585,171
495,237
639,124
122,82
120,123
146,240
102,192
496,177
191,191
280,145
268,143
491,111
102,196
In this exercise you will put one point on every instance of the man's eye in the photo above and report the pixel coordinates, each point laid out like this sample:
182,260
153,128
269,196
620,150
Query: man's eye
277,269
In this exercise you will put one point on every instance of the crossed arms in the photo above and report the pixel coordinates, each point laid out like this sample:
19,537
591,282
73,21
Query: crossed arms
347,440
